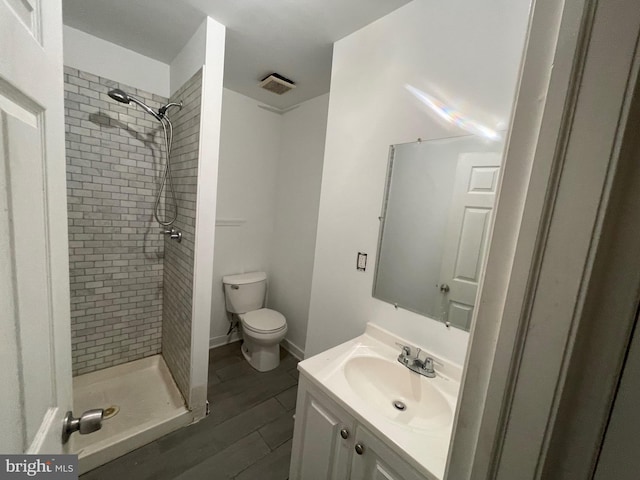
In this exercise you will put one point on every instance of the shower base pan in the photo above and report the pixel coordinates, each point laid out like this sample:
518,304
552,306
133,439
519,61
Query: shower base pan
141,402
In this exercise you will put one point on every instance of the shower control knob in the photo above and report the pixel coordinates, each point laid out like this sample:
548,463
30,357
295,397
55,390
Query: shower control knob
344,433
174,234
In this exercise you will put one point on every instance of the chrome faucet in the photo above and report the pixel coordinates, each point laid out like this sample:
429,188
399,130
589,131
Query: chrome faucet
413,363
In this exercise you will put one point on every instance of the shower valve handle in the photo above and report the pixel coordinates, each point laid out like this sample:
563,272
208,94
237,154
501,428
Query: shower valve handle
173,234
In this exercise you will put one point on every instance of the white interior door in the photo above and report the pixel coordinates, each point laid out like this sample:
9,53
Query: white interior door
34,278
474,194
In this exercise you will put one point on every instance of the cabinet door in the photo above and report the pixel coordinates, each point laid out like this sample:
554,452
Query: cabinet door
319,450
373,460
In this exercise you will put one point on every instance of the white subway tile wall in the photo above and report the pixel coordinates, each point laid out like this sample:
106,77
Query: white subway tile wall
179,257
114,159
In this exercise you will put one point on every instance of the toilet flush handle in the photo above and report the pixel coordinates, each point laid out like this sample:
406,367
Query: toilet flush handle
235,287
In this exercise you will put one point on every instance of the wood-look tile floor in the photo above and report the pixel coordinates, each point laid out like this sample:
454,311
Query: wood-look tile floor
247,436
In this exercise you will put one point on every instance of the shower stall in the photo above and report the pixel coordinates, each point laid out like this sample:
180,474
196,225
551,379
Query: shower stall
132,176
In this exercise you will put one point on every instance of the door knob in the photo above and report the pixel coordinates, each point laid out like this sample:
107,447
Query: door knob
444,288
89,422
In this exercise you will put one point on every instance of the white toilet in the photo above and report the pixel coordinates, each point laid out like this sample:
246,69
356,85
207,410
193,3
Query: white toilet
263,329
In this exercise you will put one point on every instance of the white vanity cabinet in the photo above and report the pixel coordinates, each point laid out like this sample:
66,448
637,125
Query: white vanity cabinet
329,444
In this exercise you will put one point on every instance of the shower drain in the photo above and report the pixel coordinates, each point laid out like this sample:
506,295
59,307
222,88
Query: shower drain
398,405
111,412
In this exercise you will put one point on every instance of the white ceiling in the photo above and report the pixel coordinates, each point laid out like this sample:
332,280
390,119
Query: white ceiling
291,37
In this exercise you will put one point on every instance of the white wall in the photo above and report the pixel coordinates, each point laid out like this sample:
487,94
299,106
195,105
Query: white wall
105,59
268,196
247,173
191,57
297,203
465,53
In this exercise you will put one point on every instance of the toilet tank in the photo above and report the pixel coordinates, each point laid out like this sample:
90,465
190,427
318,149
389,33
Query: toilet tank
244,292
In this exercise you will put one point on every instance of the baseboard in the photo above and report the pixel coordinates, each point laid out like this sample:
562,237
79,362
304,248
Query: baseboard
223,340
293,349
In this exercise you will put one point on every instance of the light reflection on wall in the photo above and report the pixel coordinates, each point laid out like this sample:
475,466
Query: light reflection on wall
453,116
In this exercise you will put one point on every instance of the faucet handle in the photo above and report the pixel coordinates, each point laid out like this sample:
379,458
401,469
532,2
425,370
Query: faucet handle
403,358
428,359
427,367
406,349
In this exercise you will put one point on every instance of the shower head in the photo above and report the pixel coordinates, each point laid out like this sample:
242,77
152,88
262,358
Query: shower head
119,95
123,97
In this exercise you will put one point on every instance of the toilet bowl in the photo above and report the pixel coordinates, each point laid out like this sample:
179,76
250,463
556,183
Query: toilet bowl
262,332
262,328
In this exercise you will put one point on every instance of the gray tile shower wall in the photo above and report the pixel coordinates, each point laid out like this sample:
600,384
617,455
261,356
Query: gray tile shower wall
114,159
179,257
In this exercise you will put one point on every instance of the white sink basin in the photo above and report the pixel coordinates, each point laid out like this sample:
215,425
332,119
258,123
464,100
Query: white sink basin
382,384
364,376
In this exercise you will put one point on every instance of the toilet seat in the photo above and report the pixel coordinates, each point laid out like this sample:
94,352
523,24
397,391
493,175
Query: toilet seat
263,320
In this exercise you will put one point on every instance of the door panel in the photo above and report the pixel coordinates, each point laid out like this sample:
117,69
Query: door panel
10,398
28,12
323,449
475,222
459,314
33,245
23,162
319,450
378,461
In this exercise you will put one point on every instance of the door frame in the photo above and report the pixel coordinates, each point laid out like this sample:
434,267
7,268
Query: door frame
554,272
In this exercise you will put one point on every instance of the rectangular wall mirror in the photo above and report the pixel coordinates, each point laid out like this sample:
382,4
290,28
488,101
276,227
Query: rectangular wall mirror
436,213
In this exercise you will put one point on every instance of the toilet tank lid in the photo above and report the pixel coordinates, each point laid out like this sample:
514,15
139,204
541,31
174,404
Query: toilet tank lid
244,278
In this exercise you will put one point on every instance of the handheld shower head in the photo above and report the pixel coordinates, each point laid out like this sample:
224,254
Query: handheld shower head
119,95
123,97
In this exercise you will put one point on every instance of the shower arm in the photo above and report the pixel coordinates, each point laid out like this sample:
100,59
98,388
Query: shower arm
145,107
163,110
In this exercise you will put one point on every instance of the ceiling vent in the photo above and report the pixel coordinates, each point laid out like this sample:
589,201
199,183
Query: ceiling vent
277,84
